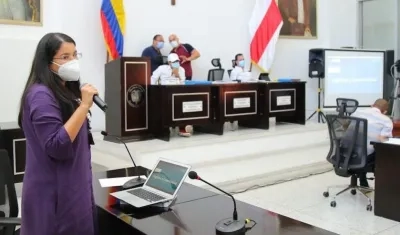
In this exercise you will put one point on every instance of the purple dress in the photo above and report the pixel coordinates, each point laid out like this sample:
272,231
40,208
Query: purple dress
57,194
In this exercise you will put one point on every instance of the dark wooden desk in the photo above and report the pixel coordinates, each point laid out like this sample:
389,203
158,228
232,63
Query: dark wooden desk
208,107
13,140
286,101
175,105
242,102
387,185
196,212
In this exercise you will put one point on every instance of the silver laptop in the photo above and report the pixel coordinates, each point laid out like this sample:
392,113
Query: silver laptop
161,185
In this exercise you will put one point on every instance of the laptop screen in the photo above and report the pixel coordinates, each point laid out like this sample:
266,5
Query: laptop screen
166,177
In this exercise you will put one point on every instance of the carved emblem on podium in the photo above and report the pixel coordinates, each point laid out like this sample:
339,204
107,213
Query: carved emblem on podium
135,95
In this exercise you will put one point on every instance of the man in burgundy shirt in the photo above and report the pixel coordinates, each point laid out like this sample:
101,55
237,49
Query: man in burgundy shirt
186,54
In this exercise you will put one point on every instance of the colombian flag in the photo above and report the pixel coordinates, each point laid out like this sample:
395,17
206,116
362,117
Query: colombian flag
113,22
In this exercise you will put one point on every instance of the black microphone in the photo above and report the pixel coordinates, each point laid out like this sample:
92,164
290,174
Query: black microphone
98,101
226,226
133,183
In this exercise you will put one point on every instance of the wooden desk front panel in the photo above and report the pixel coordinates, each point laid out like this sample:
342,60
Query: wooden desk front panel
190,106
13,140
238,101
180,105
387,185
282,100
287,101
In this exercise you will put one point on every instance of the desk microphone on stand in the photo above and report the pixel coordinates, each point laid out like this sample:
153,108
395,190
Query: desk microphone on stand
135,182
230,226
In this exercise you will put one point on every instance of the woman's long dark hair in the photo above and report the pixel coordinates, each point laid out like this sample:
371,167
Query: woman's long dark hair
41,74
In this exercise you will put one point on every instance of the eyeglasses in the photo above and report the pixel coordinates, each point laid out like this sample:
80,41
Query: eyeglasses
69,57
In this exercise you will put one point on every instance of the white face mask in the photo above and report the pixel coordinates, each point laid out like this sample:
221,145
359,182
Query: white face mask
70,71
174,44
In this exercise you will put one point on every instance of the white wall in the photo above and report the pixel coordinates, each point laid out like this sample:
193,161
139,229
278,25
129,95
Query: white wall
215,28
379,24
17,45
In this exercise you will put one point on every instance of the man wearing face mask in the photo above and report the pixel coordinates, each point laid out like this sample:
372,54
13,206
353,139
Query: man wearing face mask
172,73
186,54
154,52
238,73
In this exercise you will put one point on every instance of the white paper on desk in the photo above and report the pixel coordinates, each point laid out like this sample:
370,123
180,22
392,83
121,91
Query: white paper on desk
395,141
112,182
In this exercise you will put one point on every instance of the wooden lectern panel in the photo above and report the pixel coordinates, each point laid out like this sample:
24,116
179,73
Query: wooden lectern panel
135,88
127,82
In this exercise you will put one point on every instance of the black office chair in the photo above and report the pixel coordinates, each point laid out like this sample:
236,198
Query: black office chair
8,198
345,106
233,66
216,74
348,153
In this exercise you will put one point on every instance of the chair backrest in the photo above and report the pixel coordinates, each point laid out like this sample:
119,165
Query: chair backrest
229,72
233,63
348,143
216,74
345,106
8,196
216,62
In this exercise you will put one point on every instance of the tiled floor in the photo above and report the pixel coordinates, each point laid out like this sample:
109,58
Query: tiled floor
302,200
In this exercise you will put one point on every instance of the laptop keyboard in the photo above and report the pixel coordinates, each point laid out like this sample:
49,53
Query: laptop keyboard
146,195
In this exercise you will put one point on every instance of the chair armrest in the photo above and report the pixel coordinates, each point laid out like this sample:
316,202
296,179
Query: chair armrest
10,221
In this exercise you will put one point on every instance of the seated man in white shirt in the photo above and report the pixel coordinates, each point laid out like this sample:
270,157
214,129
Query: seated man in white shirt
238,73
170,74
380,128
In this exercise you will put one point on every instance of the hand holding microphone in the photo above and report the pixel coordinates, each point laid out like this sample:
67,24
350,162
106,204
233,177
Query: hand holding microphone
88,92
90,95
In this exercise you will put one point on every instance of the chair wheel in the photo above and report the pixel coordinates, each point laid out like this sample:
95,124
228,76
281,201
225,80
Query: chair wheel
326,194
333,204
369,208
353,191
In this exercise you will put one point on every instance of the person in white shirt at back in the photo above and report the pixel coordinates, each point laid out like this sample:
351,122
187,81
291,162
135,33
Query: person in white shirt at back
238,73
169,74
380,128
172,74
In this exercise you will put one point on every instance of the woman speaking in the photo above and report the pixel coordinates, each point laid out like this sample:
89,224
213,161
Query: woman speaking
57,194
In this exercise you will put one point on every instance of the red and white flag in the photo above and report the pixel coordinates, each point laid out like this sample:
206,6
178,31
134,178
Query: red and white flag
265,25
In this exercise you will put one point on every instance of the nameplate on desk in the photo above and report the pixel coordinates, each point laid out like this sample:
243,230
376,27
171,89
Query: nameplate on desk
192,106
239,103
170,81
283,100
394,141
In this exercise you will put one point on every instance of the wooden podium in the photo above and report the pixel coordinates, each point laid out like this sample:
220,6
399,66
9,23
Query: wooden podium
127,81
